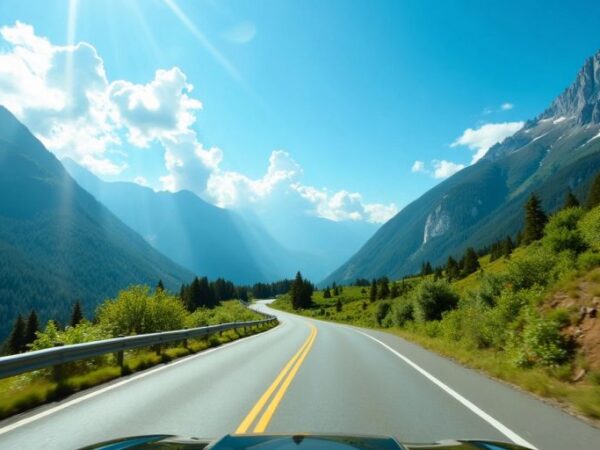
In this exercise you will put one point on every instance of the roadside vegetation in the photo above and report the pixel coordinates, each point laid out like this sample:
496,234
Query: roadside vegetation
524,310
136,310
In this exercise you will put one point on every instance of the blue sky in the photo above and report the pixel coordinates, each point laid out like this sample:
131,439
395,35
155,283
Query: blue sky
354,92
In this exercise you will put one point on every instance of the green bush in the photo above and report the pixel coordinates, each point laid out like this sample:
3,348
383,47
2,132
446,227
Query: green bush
588,260
402,311
382,310
536,267
562,233
431,299
136,310
541,344
590,228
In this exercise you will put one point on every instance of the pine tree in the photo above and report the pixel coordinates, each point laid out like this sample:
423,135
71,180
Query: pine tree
373,291
593,199
452,269
470,261
160,286
395,290
571,201
507,247
76,314
437,273
338,305
535,220
327,293
301,292
426,269
16,341
384,288
32,327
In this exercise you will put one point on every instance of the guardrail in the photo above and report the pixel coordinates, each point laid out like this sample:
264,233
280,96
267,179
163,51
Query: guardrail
54,357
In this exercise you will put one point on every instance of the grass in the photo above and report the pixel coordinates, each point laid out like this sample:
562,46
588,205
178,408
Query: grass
553,383
23,392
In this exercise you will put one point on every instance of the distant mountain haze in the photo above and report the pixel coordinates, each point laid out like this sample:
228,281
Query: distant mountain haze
243,247
57,243
557,151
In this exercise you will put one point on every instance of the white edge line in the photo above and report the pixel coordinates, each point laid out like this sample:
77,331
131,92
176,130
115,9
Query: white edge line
131,378
485,416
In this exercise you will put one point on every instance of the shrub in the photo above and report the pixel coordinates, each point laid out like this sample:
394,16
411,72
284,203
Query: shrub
402,312
431,299
542,343
562,233
383,309
136,310
588,260
533,268
590,228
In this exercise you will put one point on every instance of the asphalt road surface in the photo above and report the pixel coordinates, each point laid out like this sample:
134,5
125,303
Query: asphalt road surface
303,376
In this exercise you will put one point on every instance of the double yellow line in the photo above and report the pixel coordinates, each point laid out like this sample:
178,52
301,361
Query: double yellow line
282,381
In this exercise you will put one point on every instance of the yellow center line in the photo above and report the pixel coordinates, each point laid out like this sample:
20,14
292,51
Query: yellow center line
243,427
268,414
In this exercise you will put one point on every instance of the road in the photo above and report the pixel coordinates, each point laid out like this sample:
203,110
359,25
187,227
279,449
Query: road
303,376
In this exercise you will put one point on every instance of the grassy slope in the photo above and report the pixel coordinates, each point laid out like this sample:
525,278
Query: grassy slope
581,398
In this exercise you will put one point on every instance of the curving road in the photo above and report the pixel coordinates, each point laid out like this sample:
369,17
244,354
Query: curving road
303,376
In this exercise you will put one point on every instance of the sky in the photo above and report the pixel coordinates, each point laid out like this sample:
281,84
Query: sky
352,108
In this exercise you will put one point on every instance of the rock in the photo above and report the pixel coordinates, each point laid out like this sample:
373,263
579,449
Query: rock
591,312
580,374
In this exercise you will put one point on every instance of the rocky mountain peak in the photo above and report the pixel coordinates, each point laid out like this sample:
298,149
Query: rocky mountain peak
581,100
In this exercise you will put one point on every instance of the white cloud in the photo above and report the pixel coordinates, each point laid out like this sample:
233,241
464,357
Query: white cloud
445,169
156,110
418,166
62,93
242,33
506,106
482,138
142,181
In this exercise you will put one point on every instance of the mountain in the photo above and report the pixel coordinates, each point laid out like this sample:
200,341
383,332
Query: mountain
242,247
208,240
557,151
57,243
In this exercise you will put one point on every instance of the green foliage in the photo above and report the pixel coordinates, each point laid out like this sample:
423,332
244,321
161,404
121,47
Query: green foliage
541,343
301,292
534,268
562,233
76,314
136,310
16,341
452,269
470,261
384,288
32,327
590,228
227,312
381,312
431,299
403,311
373,291
535,219
338,305
571,201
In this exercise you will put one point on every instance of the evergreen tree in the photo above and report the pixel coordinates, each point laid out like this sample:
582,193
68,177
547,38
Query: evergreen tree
593,199
16,341
338,305
470,261
535,220
426,269
373,291
437,273
384,288
160,286
571,201
452,269
507,247
32,327
394,291
301,292
327,293
76,314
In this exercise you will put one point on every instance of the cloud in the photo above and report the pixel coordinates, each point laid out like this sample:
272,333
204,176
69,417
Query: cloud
63,94
142,181
418,166
506,106
156,110
481,139
280,187
445,169
242,33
